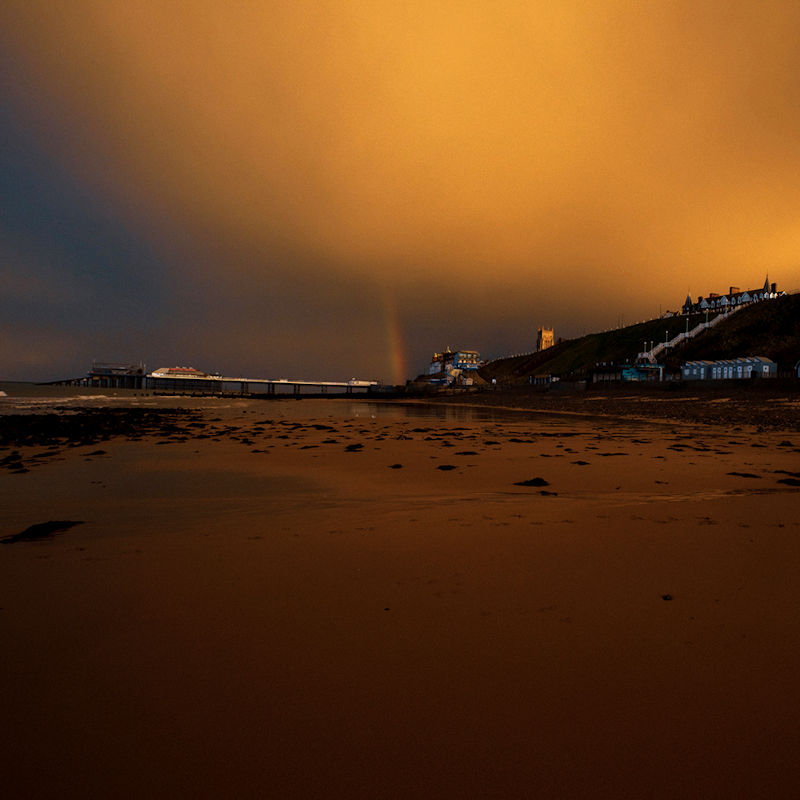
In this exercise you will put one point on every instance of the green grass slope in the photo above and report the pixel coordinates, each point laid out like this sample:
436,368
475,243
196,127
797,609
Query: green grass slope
770,329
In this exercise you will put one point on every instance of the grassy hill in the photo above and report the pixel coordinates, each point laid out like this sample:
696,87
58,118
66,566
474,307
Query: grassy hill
770,329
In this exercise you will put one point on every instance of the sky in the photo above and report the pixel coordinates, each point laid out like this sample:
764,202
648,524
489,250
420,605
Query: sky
332,189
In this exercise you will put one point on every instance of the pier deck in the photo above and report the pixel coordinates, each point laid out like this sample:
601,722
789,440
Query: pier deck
215,384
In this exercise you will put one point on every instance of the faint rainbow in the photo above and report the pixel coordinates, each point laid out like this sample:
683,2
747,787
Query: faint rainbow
395,341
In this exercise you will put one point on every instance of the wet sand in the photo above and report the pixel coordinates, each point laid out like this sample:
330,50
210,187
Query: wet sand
769,404
270,605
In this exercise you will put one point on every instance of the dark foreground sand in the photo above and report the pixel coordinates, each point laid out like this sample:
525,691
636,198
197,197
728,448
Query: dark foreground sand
273,606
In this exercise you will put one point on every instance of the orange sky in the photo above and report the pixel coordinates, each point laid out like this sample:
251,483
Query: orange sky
563,162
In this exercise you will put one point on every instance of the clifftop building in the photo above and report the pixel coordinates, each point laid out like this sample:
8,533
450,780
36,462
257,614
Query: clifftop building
733,299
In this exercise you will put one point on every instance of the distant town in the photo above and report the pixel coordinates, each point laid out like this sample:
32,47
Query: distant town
636,353
455,368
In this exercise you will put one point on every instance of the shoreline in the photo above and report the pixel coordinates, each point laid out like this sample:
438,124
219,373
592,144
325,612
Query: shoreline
773,404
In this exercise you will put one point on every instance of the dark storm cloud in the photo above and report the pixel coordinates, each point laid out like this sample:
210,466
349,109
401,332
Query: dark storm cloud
71,270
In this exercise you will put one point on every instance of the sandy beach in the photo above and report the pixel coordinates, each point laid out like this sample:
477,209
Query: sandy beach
284,599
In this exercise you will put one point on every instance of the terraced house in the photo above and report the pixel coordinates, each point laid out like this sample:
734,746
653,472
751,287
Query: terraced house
733,299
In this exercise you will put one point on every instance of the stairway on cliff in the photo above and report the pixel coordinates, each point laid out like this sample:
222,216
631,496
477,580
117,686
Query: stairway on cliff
770,328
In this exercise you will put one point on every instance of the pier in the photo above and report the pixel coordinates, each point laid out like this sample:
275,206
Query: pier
214,384
217,384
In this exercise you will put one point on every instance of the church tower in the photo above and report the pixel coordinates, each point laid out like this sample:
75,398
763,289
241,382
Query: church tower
544,339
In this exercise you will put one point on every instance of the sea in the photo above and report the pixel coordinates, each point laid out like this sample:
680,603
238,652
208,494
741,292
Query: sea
18,397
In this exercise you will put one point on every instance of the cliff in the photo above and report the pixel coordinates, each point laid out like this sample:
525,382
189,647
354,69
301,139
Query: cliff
770,328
